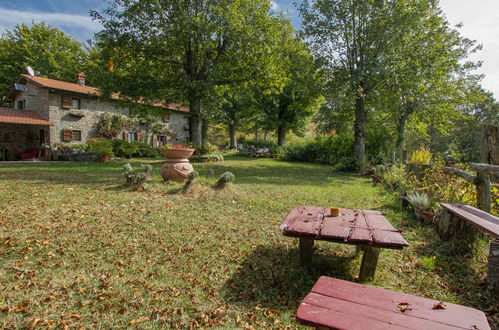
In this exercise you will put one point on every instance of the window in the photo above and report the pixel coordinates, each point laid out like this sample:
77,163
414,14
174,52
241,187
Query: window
166,118
76,135
21,104
66,102
132,136
67,135
75,103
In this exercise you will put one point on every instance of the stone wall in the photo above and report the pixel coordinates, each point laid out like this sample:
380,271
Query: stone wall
17,138
36,98
49,105
91,108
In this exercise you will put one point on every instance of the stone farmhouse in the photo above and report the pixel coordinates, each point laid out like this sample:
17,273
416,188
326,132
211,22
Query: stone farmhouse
47,112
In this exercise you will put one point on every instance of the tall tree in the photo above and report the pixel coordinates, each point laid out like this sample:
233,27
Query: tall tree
351,37
49,51
290,107
186,48
427,76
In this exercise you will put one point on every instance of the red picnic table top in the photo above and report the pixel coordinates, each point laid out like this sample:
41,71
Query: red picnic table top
339,304
350,227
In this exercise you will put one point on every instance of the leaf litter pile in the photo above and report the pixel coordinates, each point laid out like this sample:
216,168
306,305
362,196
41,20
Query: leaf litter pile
77,248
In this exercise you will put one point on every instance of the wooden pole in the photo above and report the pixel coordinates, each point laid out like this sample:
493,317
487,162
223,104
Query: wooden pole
306,246
369,263
483,194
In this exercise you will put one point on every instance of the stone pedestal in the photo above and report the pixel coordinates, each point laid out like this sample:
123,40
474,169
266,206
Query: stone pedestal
176,170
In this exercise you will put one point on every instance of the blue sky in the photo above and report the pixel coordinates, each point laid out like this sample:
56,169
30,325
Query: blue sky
480,19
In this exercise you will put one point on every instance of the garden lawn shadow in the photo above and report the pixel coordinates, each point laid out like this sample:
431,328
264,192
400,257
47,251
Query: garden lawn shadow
271,277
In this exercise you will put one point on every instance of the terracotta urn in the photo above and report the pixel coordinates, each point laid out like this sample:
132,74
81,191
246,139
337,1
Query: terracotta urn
177,166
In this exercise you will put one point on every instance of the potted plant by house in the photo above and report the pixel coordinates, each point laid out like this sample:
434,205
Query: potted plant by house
102,147
420,203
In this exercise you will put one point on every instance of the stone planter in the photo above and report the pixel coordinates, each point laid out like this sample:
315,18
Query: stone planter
177,166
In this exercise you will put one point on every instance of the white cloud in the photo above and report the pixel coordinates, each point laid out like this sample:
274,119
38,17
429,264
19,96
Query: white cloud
79,26
481,23
274,5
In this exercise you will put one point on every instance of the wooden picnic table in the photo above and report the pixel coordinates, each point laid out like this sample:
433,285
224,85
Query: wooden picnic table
368,229
338,304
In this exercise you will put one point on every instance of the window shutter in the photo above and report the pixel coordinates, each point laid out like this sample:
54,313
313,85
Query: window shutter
154,140
67,135
125,136
66,102
139,137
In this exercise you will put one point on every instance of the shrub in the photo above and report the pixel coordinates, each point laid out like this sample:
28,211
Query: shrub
394,177
419,201
224,179
101,146
205,148
145,150
420,156
333,150
123,149
260,144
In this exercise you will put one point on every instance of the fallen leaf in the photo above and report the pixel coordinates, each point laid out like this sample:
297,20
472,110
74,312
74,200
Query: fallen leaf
403,306
439,305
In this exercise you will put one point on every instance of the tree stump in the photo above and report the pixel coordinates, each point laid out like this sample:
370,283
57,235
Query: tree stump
493,267
450,226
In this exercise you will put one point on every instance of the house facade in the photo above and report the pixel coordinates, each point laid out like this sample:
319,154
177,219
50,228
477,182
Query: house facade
60,112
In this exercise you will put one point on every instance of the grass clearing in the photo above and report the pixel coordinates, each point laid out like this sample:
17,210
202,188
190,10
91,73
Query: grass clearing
77,248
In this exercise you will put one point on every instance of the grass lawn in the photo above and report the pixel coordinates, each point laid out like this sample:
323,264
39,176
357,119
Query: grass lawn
77,248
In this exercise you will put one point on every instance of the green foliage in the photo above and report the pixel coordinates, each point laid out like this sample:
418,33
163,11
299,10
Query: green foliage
101,146
428,263
134,179
420,156
204,149
418,200
49,51
224,179
110,126
187,188
321,149
395,177
123,148
259,143
199,45
145,150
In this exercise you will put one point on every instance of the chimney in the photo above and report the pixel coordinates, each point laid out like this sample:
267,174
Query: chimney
80,78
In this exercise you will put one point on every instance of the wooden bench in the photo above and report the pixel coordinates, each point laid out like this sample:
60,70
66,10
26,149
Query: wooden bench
459,221
367,229
338,304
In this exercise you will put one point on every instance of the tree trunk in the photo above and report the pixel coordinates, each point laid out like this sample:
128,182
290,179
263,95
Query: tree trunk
232,134
204,130
399,144
195,121
281,135
359,142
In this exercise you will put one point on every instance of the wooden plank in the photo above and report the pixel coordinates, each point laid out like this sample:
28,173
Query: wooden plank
369,263
307,223
337,228
323,317
383,233
361,232
338,313
484,220
290,217
453,315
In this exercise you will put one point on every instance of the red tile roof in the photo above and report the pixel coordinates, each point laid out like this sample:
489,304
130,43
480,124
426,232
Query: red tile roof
62,85
27,117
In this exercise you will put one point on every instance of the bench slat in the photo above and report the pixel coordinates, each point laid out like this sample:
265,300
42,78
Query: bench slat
484,220
387,301
369,314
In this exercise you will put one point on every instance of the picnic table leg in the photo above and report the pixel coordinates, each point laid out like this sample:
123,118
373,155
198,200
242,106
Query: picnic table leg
306,246
369,263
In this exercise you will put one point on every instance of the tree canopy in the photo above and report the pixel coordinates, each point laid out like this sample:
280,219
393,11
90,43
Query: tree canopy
49,51
180,50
